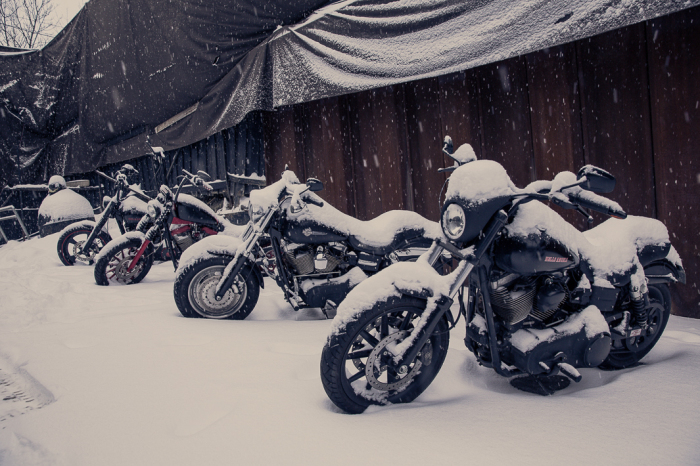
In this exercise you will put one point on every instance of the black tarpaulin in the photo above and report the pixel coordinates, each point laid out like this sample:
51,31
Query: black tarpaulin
182,71
119,69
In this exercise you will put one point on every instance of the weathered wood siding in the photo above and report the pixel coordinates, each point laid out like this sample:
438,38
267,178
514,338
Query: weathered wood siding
626,100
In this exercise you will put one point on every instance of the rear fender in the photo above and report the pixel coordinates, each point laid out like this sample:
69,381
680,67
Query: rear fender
663,271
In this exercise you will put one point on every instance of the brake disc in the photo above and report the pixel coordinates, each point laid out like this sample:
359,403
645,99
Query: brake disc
375,367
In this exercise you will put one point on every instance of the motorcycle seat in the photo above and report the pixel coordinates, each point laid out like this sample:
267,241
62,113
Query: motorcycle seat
380,236
401,239
617,248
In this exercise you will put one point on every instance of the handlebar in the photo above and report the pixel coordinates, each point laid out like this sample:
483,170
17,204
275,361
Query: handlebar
136,193
603,209
310,200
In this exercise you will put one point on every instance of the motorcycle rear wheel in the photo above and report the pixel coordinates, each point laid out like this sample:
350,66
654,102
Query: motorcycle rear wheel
73,237
113,262
195,287
349,383
632,350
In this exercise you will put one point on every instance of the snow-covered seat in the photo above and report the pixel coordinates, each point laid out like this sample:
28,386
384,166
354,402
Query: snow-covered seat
617,248
379,236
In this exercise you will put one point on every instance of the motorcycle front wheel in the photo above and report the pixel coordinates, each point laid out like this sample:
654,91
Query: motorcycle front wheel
72,239
628,352
357,371
112,266
195,290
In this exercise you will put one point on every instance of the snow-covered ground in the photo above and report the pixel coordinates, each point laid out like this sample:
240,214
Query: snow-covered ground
115,376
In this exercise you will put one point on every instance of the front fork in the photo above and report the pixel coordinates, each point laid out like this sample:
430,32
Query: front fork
98,227
236,265
164,219
466,266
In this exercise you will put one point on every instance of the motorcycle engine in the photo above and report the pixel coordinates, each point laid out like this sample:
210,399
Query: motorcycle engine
308,259
515,297
188,238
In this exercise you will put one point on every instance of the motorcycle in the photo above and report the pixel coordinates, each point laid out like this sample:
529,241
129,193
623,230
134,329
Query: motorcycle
540,298
81,241
173,222
315,253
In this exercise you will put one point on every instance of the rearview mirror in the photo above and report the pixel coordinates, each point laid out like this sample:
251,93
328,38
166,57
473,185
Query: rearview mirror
596,179
448,146
314,184
203,175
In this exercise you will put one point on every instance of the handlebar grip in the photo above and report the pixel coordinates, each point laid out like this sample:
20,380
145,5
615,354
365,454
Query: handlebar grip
105,176
603,209
314,202
141,196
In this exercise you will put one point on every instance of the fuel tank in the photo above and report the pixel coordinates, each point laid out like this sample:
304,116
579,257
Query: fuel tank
302,229
192,213
532,254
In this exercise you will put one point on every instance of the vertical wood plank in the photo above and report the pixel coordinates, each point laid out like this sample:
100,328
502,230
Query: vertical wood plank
459,109
555,116
425,145
674,69
615,111
366,160
220,157
505,113
280,143
211,157
324,155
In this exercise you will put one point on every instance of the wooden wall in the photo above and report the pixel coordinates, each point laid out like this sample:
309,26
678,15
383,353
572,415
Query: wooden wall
626,100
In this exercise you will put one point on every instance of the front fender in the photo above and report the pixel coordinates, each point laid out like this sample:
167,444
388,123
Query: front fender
216,245
415,279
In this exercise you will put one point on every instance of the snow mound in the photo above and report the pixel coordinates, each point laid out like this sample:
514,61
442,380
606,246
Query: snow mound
65,204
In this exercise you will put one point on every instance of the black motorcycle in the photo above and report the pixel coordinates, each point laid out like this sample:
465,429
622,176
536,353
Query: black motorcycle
542,300
81,241
173,222
314,252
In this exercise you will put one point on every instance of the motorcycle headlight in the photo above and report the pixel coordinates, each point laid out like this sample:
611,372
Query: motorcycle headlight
153,209
254,212
453,221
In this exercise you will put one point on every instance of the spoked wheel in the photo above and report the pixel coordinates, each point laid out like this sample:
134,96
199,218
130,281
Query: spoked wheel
628,352
195,290
112,266
72,239
357,364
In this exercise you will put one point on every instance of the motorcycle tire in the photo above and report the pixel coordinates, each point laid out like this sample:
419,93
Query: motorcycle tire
633,349
361,343
73,236
113,262
195,285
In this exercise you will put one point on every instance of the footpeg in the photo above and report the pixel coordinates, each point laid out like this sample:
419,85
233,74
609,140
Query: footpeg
569,371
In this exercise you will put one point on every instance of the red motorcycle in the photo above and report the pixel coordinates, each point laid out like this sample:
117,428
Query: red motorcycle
173,223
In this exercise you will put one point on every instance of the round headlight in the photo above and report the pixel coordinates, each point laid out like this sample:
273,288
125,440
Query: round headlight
152,209
453,221
254,212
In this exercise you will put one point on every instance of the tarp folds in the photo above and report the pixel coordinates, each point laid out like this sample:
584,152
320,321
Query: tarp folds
358,45
124,67
119,69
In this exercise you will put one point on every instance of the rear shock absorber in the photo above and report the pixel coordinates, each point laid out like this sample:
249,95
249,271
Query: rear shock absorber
639,310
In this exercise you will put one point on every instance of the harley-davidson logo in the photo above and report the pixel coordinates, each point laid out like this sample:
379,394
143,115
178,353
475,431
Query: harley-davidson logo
310,232
555,259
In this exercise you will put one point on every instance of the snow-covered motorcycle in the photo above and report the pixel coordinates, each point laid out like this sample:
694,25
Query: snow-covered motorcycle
80,242
173,222
540,298
314,252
